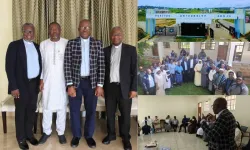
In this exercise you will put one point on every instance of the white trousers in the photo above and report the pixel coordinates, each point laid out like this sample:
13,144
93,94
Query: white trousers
60,121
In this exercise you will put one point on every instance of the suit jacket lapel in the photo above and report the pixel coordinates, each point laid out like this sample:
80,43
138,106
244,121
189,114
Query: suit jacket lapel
79,48
91,49
23,55
122,61
109,55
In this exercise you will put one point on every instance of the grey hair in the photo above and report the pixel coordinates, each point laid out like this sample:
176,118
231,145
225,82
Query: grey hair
28,24
117,27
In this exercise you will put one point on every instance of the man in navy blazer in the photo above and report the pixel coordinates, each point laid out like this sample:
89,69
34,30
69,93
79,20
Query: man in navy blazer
84,70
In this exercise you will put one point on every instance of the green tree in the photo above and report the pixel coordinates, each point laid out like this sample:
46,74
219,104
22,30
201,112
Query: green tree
141,49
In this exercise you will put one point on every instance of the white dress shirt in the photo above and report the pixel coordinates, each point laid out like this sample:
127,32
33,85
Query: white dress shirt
115,63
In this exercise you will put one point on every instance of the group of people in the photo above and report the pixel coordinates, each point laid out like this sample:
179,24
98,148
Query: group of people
153,126
216,76
221,131
64,71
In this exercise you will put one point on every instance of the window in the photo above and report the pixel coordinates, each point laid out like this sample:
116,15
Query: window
231,102
208,45
238,51
185,45
206,106
166,44
155,49
223,43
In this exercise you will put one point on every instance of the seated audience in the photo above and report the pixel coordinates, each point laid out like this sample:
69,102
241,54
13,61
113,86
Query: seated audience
238,134
184,124
175,123
146,129
192,125
157,124
168,124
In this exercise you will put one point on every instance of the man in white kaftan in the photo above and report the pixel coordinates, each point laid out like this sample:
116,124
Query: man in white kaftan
197,75
52,84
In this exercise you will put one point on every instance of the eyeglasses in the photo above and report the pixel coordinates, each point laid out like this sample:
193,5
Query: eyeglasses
84,28
27,31
117,34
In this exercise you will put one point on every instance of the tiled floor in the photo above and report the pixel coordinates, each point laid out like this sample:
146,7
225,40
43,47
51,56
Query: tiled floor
8,141
173,140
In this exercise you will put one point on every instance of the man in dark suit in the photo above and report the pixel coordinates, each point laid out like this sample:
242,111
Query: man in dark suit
84,70
185,66
221,135
23,68
120,85
191,64
149,86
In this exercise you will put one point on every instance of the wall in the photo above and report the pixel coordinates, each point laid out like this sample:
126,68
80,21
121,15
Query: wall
197,48
246,53
5,39
162,106
247,27
203,99
242,110
212,53
240,113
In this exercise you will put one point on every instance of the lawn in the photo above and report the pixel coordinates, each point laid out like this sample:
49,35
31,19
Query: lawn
185,89
189,39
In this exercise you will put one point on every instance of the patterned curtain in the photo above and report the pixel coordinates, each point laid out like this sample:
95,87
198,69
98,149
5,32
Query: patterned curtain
104,14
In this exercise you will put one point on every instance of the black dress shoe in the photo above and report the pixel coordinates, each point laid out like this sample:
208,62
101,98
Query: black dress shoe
33,141
75,142
23,145
62,139
107,140
91,142
44,138
127,145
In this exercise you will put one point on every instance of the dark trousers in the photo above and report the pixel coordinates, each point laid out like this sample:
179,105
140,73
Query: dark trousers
90,100
152,91
185,76
174,127
112,100
172,79
191,75
183,125
25,111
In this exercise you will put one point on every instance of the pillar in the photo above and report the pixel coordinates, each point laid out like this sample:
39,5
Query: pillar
192,47
231,53
160,50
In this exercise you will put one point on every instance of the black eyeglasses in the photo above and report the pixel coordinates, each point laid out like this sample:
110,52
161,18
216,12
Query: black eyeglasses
27,31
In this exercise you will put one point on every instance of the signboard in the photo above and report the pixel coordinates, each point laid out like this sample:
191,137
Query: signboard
156,14
192,16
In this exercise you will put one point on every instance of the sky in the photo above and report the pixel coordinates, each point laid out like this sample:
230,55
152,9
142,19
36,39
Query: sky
195,3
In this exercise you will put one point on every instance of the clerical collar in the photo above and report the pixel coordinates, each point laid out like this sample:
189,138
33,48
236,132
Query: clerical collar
85,40
118,46
27,42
